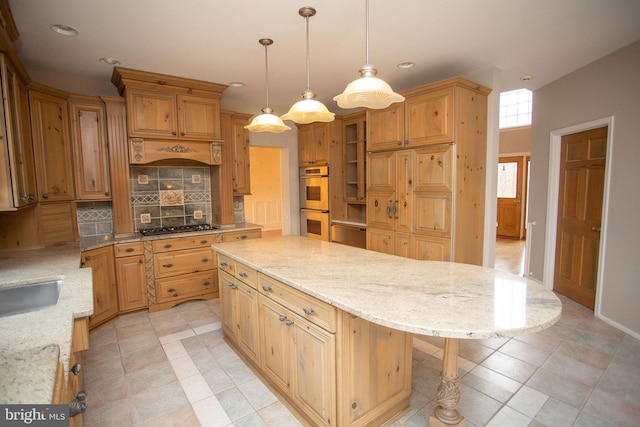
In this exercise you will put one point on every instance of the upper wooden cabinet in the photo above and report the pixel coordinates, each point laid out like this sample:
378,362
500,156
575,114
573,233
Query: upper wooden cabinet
18,180
161,106
313,144
241,157
385,128
51,143
90,153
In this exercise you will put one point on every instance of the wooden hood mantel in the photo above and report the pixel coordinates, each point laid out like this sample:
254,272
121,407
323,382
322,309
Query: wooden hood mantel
144,151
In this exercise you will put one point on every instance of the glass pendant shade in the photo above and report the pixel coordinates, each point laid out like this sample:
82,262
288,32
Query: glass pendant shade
267,122
308,109
367,91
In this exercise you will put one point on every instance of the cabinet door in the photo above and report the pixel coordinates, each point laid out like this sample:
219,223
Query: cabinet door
381,172
241,164
402,211
430,118
132,283
385,128
91,159
105,298
313,380
199,118
403,245
306,152
380,240
247,321
431,248
380,210
228,297
432,213
52,147
321,143
151,114
433,168
275,337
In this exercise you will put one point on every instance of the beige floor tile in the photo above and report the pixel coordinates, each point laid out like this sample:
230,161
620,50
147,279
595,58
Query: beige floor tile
153,402
210,413
97,353
153,375
278,415
137,360
114,414
106,391
258,395
184,416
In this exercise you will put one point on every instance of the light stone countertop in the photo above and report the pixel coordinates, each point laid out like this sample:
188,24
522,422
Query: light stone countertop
424,297
31,344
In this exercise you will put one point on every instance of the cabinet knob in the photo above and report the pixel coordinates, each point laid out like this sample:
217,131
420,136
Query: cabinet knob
282,318
106,193
202,242
23,198
173,133
205,259
266,288
182,134
171,290
207,283
129,250
289,322
32,197
168,265
76,369
223,264
308,310
231,285
45,196
242,274
87,257
167,246
140,261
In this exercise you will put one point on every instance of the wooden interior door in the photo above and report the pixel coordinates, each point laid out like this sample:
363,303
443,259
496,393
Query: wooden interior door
509,212
582,164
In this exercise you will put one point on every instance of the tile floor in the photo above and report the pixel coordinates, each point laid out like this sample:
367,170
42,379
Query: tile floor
172,368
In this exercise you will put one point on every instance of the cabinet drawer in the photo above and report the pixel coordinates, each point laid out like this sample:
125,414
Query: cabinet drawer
128,249
227,264
189,285
234,236
179,243
247,275
181,262
308,307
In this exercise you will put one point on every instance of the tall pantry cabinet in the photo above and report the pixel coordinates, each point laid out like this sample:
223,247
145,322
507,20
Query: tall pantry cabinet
426,173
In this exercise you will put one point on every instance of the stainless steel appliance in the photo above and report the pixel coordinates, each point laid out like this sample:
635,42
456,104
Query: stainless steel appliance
175,229
348,234
314,202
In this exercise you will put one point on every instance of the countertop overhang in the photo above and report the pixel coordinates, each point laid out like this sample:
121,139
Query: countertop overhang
434,298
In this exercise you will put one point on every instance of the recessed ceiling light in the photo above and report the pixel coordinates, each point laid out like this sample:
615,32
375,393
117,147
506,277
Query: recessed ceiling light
407,64
65,30
236,84
110,61
526,77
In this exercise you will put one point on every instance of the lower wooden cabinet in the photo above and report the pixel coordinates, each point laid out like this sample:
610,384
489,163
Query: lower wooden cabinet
131,276
105,294
335,369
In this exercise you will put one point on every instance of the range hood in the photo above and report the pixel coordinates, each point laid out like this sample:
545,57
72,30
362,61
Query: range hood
143,151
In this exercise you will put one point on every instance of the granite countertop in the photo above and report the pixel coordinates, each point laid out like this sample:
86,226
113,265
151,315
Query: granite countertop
425,297
31,344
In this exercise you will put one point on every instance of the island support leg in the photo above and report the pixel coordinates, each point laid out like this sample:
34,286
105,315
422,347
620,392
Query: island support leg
448,396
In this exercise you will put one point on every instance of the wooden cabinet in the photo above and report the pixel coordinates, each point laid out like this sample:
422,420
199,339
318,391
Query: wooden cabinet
131,276
75,384
239,314
184,268
18,180
313,144
354,157
241,155
232,236
155,114
385,128
431,191
105,296
52,145
334,368
90,153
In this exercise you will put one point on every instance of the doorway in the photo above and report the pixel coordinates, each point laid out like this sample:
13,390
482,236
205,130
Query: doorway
511,177
553,203
579,217
264,205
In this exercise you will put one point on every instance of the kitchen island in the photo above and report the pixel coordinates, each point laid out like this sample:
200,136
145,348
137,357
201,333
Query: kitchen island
450,300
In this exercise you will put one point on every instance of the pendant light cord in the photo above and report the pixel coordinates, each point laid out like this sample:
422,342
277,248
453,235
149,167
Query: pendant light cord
367,30
308,73
266,72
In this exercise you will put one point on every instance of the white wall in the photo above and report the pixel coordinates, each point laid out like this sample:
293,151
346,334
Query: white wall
609,87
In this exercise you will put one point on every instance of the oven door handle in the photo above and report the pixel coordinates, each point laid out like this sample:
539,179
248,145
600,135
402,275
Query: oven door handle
313,210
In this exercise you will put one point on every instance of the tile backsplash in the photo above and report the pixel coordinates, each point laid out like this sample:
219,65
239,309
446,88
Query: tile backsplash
94,218
167,196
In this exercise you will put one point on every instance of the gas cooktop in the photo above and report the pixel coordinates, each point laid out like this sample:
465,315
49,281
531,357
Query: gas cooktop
176,229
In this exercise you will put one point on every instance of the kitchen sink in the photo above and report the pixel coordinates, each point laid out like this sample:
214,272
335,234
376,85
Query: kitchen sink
29,297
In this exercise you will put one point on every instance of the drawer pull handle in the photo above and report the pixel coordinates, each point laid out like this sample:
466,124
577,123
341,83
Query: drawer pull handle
308,310
168,265
205,259
282,318
223,264
130,250
266,288
167,246
76,369
289,322
171,290
207,283
242,274
231,285
203,242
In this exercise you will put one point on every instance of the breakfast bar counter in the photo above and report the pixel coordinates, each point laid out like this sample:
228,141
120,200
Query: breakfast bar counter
450,300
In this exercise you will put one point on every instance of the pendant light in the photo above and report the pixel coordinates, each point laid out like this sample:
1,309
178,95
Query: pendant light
367,91
308,110
267,121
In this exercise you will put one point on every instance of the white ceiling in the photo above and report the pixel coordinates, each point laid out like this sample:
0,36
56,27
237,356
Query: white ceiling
217,41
